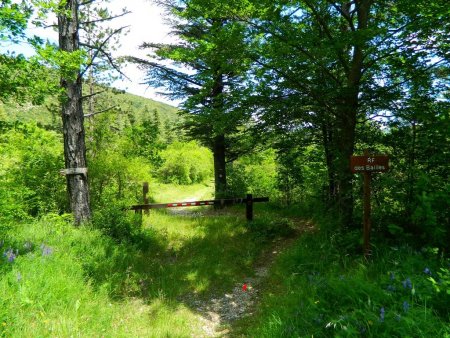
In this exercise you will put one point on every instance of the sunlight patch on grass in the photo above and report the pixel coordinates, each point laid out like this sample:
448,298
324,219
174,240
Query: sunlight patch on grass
168,193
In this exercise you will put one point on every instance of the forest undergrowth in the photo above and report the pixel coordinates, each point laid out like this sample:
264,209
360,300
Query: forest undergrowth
59,280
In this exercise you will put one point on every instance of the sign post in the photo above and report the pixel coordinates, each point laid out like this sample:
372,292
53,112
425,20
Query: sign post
366,165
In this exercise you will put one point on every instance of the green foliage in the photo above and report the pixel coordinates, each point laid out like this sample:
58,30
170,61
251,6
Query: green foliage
67,64
432,213
66,281
268,229
30,160
114,221
301,173
13,20
25,80
255,173
146,139
441,283
314,290
185,163
21,79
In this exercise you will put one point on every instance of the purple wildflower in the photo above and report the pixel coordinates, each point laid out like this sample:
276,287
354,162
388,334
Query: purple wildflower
11,255
382,314
407,283
46,250
427,271
405,306
391,288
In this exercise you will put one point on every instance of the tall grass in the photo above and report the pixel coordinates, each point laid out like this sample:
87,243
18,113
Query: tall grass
315,289
59,280
62,281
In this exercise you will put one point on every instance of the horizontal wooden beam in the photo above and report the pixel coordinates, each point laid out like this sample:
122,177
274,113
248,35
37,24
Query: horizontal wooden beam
227,201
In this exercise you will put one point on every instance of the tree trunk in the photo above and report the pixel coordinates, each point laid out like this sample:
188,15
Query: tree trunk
220,174
72,117
346,116
343,150
327,140
219,147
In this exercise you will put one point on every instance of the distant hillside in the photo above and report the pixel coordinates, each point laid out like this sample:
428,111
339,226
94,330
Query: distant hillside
136,108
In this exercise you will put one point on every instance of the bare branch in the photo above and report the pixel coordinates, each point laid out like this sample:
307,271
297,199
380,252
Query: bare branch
345,14
99,49
93,94
100,112
105,19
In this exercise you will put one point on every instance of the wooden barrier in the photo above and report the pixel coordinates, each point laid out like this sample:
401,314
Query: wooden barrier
248,201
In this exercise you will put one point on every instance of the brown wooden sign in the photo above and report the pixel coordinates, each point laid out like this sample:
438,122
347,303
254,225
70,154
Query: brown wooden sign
360,164
367,165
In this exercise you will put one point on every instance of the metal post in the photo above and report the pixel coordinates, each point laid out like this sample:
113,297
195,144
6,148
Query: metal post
249,207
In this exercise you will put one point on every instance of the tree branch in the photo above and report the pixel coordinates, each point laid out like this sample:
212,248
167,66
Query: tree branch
165,69
99,49
105,19
330,37
100,112
344,14
93,94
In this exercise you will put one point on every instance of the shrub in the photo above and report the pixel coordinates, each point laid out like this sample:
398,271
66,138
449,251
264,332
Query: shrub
185,163
254,174
30,160
117,223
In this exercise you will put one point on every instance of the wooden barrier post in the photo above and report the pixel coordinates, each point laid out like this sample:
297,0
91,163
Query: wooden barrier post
144,195
249,207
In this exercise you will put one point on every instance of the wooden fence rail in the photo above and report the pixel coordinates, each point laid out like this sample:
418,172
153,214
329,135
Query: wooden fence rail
222,202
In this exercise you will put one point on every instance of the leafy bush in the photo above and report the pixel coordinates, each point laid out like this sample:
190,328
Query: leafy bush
185,163
115,178
432,213
115,222
254,174
30,160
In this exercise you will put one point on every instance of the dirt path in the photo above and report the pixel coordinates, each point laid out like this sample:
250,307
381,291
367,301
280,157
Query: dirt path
217,314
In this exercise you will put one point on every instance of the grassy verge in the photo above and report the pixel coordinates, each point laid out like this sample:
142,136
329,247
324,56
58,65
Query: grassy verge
316,290
61,281
58,280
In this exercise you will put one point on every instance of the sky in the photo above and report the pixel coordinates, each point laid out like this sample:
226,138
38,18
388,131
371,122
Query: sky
146,25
